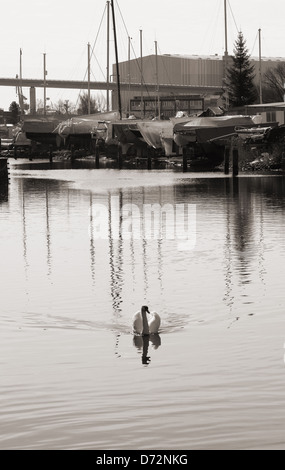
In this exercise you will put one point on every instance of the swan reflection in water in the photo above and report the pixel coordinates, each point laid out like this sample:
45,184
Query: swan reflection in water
142,344
146,330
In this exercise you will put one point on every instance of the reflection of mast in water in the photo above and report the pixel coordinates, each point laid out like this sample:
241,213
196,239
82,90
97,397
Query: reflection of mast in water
262,270
159,251
144,249
228,298
24,234
115,233
132,247
92,244
48,234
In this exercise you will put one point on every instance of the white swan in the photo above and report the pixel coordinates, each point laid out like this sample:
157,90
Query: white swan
144,326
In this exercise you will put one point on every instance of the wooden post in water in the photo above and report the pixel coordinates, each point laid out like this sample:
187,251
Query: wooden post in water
227,160
97,156
235,162
72,154
149,158
185,159
50,154
283,162
120,157
4,174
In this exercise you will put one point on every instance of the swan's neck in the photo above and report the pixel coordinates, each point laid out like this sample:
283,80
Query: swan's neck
145,323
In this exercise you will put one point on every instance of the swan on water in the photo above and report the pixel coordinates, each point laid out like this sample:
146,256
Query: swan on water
145,326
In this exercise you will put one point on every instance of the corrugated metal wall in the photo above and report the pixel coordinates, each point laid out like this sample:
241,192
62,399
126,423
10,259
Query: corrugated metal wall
175,70
181,70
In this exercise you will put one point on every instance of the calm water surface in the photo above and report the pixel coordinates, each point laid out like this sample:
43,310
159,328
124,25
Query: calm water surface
72,374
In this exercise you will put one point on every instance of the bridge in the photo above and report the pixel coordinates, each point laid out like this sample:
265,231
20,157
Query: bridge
112,86
166,89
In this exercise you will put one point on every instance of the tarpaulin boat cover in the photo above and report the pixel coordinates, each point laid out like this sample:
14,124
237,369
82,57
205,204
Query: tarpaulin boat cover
222,121
206,128
40,125
84,124
156,133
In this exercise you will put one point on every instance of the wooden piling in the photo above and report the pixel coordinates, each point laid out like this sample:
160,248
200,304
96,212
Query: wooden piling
227,160
283,162
97,156
185,159
72,157
4,173
149,158
235,162
50,154
120,157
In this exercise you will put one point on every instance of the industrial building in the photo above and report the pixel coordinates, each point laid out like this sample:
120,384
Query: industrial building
204,75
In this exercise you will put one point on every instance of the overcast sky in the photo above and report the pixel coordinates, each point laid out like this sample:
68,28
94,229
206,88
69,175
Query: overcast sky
62,29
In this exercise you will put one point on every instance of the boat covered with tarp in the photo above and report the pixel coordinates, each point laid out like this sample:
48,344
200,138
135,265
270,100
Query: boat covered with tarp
155,133
41,129
206,136
81,129
205,129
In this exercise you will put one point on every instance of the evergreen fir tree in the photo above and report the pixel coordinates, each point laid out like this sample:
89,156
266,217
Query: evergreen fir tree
240,76
15,112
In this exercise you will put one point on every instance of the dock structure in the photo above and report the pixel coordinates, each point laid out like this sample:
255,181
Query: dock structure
4,172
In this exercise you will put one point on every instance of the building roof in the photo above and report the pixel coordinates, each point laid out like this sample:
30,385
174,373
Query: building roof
219,57
268,105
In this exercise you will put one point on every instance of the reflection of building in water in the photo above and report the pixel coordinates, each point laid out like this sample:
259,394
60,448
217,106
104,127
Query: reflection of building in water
247,200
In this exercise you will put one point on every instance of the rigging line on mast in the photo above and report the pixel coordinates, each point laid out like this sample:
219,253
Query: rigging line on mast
92,53
255,41
132,47
100,26
238,30
164,66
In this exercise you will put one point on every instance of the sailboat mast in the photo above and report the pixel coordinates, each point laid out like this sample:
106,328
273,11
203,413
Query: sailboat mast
45,85
89,78
129,74
157,80
117,60
226,32
141,47
19,90
108,55
226,56
260,69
